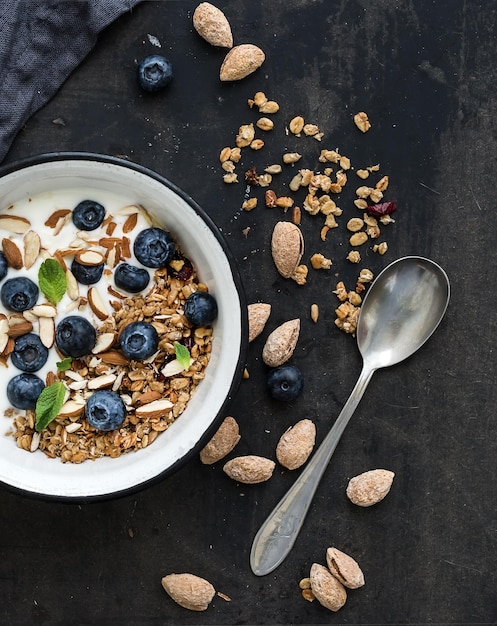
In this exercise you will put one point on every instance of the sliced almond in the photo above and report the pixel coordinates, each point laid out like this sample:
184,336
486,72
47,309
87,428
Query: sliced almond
72,286
46,328
89,257
71,408
54,218
61,222
129,210
32,246
149,396
130,223
114,357
100,382
104,342
12,253
4,330
97,304
18,326
14,224
126,248
154,410
73,427
172,368
44,310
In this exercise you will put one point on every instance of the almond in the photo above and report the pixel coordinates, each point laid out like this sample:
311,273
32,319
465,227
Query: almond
12,253
4,332
54,219
287,247
97,304
189,591
211,24
258,315
370,487
155,409
32,247
344,568
14,224
113,357
72,286
18,326
249,469
71,408
241,61
130,223
281,343
222,443
100,382
296,444
46,329
44,310
326,588
149,396
104,342
89,257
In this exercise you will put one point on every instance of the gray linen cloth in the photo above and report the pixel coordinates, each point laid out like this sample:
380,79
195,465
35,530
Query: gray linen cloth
41,43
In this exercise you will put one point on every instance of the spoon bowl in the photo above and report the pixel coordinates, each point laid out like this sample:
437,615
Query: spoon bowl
400,312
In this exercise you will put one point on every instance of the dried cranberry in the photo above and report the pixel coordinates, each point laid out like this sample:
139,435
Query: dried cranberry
383,208
188,342
185,270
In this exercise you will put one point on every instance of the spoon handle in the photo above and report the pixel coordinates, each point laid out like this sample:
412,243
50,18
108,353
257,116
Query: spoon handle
278,533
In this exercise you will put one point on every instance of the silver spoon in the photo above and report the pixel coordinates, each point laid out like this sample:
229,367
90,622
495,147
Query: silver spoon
401,310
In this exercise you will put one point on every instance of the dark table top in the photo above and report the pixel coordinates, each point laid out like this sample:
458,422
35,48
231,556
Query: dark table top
425,73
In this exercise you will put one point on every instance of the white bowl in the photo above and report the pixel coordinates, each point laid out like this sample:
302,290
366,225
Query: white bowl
199,238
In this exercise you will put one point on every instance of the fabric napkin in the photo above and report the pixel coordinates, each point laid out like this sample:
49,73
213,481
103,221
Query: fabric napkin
41,43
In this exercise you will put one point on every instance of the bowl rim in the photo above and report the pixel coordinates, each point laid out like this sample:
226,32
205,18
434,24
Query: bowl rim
47,157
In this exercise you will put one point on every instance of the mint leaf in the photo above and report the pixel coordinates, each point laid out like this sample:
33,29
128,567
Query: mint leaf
182,355
52,280
65,364
49,404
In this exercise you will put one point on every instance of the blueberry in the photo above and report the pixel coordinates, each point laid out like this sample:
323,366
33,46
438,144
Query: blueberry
3,266
285,382
23,390
200,308
131,278
29,354
88,215
19,294
87,274
154,73
154,247
75,336
139,340
105,410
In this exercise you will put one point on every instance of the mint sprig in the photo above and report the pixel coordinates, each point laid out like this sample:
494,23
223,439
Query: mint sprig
52,280
49,403
182,355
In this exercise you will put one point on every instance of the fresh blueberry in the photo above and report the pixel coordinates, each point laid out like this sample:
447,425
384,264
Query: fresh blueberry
139,340
200,308
87,274
29,354
75,336
23,390
131,278
105,410
154,247
285,382
19,294
3,266
154,73
88,215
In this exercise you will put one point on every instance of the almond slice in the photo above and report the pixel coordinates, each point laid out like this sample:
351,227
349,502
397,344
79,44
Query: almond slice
154,410
149,396
72,286
14,224
104,342
113,357
71,408
89,257
54,218
172,368
97,304
100,382
32,246
46,327
4,329
129,210
12,253
44,310
18,326
130,223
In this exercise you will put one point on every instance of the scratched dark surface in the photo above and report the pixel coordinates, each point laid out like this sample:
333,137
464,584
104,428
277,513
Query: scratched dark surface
426,74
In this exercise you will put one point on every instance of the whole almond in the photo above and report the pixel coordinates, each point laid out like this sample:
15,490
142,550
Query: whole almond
189,591
241,61
222,443
211,24
344,568
281,343
326,588
370,487
258,315
296,444
249,469
287,247
12,253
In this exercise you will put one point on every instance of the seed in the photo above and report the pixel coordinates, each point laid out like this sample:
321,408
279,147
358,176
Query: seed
314,313
296,215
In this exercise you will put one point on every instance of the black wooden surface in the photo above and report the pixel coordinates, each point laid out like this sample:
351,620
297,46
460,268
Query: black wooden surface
425,72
